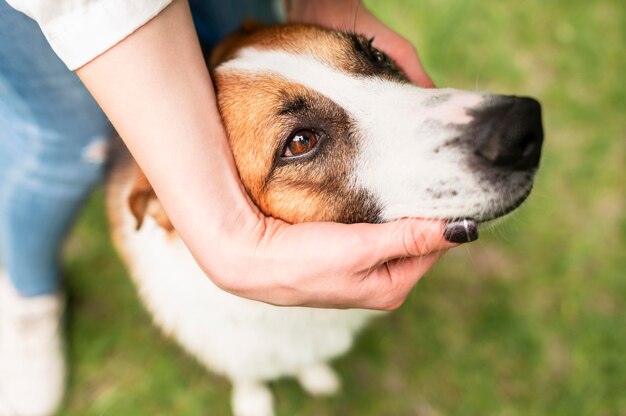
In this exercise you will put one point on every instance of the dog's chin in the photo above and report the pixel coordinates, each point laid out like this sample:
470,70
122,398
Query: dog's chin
497,211
493,212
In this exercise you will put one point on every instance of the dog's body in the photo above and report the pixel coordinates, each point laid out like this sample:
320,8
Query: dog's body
323,127
249,342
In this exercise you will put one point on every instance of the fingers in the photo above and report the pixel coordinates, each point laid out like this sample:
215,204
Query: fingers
421,78
407,58
394,45
414,69
387,287
343,266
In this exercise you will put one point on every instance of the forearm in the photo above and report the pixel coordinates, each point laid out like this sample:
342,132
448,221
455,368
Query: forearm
156,90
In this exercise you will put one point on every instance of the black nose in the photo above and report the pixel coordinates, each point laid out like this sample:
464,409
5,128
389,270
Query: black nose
510,133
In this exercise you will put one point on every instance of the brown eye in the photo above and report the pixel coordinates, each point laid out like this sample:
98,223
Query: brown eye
301,142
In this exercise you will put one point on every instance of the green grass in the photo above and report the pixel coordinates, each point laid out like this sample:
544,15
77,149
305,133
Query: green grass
529,320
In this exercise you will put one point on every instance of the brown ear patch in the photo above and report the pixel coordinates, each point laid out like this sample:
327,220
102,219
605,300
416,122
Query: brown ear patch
233,42
142,200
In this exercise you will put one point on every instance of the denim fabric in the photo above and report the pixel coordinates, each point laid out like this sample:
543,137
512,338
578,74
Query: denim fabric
214,19
52,140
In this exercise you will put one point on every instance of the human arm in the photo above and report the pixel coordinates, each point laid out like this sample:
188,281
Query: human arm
155,88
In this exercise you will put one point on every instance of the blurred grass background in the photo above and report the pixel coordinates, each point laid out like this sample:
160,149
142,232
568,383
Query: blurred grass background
529,320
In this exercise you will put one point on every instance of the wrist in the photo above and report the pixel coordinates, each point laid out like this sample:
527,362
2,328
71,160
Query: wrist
332,13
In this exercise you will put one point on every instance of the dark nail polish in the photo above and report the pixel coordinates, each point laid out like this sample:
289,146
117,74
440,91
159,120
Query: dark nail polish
462,231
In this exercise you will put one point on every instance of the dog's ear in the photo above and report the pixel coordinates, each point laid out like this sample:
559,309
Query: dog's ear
139,197
226,47
142,200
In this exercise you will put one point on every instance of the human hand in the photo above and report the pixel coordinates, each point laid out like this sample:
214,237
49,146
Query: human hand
326,264
195,178
353,15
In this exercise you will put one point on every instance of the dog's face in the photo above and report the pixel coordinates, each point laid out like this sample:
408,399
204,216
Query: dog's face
324,127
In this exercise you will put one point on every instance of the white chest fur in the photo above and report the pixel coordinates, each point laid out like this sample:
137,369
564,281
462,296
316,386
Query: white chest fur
239,338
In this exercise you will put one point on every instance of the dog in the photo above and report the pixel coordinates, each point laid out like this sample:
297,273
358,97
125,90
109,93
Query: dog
323,127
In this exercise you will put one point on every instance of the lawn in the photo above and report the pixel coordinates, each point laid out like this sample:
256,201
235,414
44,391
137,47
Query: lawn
529,320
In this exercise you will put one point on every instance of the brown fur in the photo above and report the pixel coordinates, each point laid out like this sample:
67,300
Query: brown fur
143,200
314,190
344,51
129,189
258,124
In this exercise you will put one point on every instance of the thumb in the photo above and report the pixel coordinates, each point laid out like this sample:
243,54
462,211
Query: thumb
409,237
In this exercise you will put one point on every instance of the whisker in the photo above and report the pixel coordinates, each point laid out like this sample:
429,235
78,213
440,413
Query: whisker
358,3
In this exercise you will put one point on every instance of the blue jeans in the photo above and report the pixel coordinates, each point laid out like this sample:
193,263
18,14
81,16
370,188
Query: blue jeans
53,138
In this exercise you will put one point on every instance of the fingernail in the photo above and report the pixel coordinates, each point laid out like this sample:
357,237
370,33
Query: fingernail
462,231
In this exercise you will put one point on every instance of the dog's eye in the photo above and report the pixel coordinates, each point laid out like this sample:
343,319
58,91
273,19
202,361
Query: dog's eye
376,55
301,142
379,57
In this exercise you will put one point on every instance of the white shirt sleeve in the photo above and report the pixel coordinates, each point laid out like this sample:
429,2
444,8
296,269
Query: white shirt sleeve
80,30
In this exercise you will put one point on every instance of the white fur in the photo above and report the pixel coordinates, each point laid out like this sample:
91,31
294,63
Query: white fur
251,342
319,380
400,133
252,399
247,341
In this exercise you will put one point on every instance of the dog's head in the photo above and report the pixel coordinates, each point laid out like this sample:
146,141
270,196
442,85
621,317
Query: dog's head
323,126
